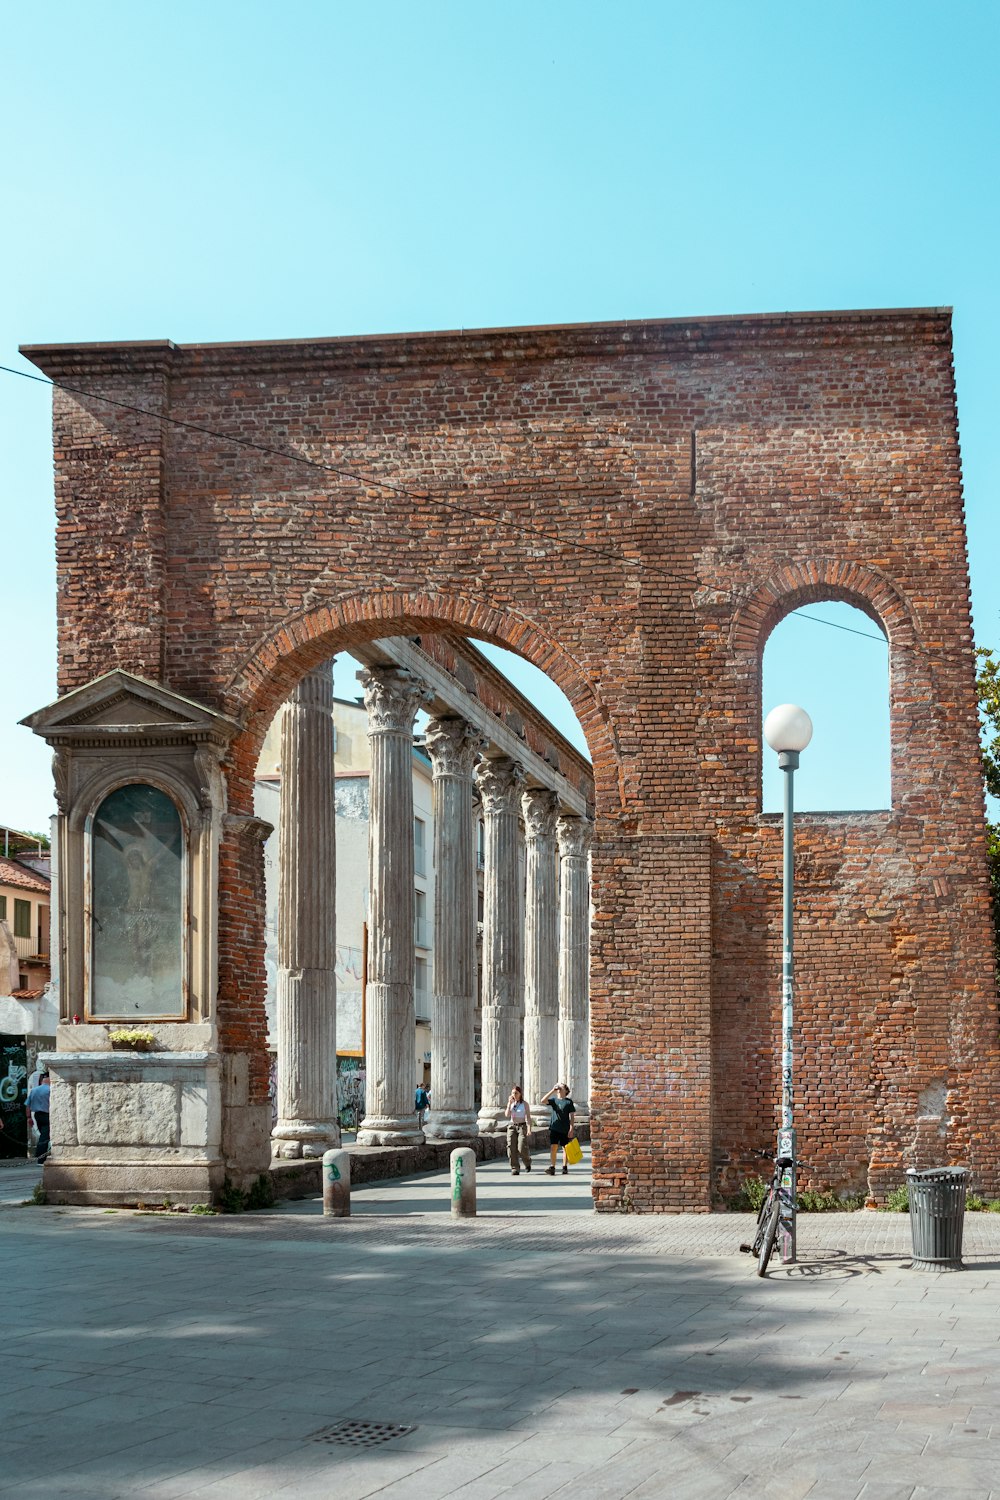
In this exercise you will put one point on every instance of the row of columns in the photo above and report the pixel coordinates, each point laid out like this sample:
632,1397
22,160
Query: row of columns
535,957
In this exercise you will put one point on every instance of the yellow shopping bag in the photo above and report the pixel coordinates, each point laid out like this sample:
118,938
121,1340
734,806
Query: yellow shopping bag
574,1151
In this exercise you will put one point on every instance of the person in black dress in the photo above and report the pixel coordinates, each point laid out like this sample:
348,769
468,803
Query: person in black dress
561,1126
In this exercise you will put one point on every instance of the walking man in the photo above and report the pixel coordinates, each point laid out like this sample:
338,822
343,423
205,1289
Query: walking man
38,1108
422,1104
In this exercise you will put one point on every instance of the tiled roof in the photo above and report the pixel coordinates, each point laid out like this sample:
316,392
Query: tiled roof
13,873
27,994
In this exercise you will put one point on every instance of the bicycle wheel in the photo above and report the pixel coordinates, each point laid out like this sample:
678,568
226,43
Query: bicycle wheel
763,1213
770,1235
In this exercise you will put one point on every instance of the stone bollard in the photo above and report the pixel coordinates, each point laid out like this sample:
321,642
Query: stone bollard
337,1184
463,1183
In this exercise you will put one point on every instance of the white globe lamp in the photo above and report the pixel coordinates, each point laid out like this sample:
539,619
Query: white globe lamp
788,727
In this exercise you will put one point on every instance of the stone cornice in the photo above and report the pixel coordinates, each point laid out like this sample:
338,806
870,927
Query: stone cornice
564,757
449,693
149,736
147,713
247,826
69,363
652,336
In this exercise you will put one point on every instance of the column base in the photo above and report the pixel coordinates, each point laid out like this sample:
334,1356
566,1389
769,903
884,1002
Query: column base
451,1125
295,1139
492,1121
385,1130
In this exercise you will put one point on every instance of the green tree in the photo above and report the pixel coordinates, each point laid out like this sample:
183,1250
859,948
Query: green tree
988,685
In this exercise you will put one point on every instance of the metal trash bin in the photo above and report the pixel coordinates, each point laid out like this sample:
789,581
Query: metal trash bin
937,1215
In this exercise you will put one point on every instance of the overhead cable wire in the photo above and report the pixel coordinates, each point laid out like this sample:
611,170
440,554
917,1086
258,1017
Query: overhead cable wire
536,533
866,635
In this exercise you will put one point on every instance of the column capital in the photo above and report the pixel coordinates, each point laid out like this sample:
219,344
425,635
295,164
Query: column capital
574,835
392,697
454,746
499,782
539,807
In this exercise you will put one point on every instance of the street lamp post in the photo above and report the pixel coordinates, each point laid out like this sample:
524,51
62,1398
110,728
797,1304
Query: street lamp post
788,730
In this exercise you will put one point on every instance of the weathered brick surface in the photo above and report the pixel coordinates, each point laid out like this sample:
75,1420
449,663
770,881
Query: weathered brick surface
720,472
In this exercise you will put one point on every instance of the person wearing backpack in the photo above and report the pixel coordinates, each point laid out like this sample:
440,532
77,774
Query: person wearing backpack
38,1107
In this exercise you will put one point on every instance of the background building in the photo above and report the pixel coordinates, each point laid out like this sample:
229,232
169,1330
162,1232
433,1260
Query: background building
28,1009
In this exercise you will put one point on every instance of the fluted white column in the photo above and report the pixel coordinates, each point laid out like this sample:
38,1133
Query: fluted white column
541,948
307,914
499,783
454,748
574,836
392,698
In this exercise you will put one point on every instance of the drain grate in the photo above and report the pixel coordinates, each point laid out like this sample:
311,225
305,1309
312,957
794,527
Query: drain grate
360,1434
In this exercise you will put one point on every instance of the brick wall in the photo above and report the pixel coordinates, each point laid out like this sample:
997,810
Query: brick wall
633,507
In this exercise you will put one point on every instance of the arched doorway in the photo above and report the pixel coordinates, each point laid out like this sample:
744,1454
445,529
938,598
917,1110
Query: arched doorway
501,807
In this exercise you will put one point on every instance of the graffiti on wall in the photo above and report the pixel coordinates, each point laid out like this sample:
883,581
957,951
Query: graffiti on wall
13,1093
350,1091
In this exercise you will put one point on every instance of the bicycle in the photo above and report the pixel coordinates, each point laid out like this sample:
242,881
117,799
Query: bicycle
769,1217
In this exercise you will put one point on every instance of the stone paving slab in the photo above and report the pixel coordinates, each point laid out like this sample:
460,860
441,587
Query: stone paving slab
538,1351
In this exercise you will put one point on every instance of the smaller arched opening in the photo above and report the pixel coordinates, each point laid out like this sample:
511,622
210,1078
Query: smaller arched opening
862,615
832,659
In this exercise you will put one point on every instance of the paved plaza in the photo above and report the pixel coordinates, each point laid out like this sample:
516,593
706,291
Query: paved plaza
539,1350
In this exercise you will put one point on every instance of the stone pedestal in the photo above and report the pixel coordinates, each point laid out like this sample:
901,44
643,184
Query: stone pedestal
307,913
541,949
135,1127
574,836
454,747
499,783
392,698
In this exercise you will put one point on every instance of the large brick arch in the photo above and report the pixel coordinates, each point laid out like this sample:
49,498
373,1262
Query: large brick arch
266,677
632,507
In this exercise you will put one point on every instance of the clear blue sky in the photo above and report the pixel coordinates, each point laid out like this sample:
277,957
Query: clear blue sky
236,171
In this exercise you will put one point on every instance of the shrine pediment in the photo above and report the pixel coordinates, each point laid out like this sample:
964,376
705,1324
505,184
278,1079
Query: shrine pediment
120,706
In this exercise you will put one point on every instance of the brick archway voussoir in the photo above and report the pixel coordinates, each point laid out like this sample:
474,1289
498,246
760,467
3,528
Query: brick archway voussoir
812,582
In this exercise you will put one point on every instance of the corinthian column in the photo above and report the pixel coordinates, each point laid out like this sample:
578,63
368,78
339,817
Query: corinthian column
574,960
499,784
541,948
392,698
454,747
307,914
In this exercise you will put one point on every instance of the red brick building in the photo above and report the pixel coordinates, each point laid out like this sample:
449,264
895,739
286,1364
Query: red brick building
633,507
